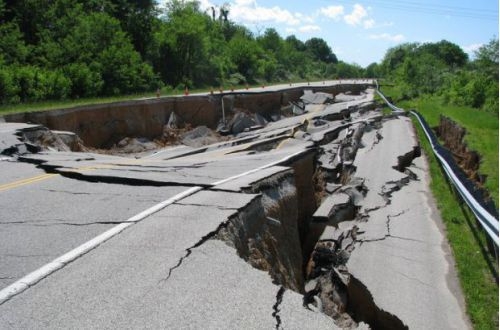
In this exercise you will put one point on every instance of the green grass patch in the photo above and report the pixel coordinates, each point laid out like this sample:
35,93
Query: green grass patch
64,104
72,103
482,133
166,91
475,265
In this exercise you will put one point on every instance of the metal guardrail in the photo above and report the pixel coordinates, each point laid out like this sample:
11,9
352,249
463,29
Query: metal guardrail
485,218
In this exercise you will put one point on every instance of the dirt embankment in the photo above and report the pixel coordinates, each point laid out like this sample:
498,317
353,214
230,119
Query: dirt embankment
469,160
104,125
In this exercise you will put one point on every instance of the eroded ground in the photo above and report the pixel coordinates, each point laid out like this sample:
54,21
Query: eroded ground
319,220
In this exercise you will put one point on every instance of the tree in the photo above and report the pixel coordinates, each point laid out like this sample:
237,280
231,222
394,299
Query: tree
12,46
449,53
224,12
487,59
244,52
373,71
395,56
105,52
185,41
320,50
271,41
137,19
296,43
80,48
346,70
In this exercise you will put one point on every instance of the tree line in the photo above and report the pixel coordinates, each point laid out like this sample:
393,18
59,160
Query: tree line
65,49
443,69
58,49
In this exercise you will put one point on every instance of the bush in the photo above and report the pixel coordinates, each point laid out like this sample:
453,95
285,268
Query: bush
236,79
58,85
85,80
8,88
491,100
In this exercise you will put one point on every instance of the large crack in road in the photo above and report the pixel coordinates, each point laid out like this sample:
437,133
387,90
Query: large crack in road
307,217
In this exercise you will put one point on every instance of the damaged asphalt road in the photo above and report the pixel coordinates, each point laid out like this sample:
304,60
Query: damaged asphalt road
318,221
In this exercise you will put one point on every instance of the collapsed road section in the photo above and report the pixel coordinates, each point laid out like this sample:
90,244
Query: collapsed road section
319,220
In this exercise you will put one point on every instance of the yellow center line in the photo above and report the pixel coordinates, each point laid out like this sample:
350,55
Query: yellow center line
23,182
42,177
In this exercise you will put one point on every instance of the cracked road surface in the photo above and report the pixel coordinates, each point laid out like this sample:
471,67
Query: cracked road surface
316,221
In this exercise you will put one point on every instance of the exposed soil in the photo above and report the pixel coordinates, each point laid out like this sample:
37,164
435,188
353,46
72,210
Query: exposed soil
469,160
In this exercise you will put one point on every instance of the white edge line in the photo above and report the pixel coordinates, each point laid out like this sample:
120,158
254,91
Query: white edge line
278,162
36,276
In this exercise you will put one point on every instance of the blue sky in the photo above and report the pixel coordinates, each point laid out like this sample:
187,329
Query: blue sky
361,31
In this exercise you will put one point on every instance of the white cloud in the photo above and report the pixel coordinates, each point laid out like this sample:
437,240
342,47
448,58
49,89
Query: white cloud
356,16
305,18
472,48
290,30
245,3
388,37
205,4
369,23
309,28
333,12
338,51
248,11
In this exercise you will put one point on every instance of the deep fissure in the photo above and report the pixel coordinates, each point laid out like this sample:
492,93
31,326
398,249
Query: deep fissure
275,235
320,274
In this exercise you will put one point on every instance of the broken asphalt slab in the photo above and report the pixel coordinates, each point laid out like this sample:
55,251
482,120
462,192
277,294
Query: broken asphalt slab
223,289
11,137
198,169
399,246
69,213
190,264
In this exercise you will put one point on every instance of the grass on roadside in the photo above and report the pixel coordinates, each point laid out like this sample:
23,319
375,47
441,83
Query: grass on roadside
71,103
482,133
475,265
166,91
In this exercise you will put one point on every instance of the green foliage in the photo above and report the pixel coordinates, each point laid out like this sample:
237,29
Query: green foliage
482,133
85,79
8,88
487,59
345,70
30,83
57,49
446,52
12,47
373,70
320,50
244,53
271,41
476,85
444,69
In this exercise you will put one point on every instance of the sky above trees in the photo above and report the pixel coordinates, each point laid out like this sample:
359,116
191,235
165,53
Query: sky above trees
362,31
